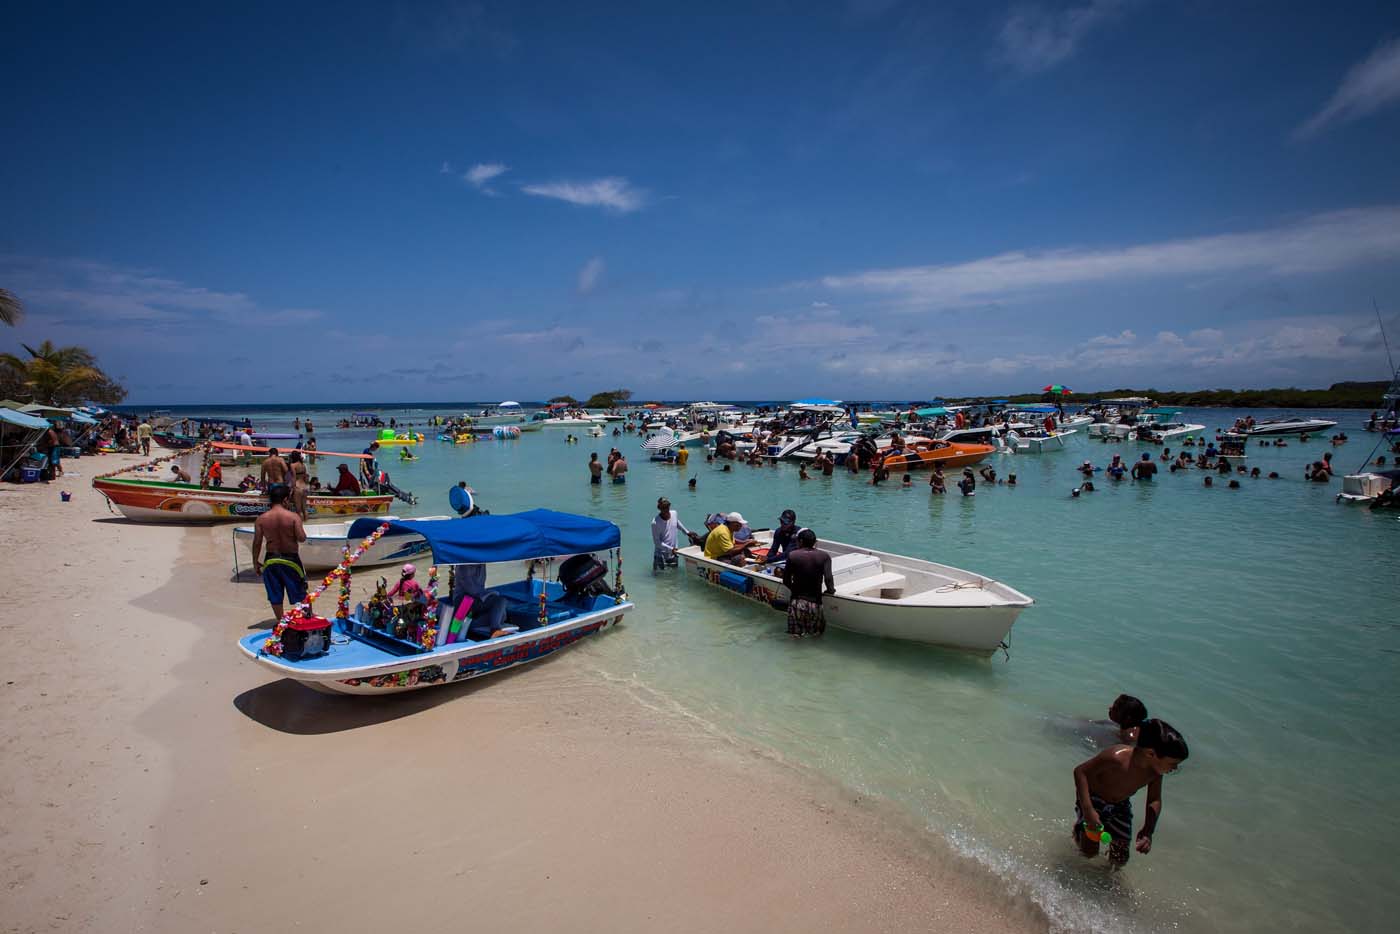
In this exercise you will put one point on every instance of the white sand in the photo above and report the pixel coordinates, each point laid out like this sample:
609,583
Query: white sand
153,780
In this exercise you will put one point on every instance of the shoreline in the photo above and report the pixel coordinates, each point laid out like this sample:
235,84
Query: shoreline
163,783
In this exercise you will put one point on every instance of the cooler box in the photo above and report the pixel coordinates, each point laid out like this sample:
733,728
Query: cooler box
734,581
29,475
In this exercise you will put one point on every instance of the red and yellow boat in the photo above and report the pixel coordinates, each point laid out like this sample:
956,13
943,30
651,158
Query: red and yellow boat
941,453
161,501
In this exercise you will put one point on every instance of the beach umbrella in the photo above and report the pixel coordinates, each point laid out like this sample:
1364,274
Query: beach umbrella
1058,390
661,442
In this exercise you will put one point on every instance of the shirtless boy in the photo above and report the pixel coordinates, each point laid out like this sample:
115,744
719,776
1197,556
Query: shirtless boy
1104,787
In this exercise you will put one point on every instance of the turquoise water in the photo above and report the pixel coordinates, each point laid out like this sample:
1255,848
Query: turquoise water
1259,622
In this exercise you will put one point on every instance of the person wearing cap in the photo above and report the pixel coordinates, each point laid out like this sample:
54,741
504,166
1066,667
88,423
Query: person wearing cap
407,587
720,544
807,575
783,538
663,535
1087,469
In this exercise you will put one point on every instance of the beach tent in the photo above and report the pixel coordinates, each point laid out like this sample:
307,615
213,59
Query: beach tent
47,411
19,432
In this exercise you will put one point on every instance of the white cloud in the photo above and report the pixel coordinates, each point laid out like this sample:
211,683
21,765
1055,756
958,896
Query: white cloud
1315,244
613,193
590,275
1033,38
480,175
1369,85
1121,339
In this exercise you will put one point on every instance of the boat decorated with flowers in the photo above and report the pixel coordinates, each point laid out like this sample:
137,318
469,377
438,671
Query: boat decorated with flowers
379,647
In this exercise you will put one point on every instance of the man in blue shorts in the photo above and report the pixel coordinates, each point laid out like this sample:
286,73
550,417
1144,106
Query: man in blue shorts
280,529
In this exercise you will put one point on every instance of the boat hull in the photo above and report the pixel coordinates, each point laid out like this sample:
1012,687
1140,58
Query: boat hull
954,455
155,501
324,547
979,630
444,665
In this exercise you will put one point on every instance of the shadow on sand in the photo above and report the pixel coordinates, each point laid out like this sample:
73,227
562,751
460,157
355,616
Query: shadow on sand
290,707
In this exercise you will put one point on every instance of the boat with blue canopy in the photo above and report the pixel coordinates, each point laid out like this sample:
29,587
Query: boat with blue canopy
470,629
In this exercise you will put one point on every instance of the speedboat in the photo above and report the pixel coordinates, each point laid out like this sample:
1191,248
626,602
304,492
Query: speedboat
374,649
1034,440
1271,427
324,547
937,453
887,595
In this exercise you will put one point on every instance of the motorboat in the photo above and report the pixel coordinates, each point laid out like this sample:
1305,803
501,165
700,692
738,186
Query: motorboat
1273,427
1034,440
937,453
324,547
886,595
162,501
377,648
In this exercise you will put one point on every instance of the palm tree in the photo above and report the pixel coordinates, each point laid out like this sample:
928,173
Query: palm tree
11,308
56,375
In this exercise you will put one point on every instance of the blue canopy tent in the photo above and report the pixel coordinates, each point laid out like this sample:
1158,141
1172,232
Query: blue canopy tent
539,533
19,432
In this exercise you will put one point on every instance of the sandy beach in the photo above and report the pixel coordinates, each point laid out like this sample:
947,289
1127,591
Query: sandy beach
152,780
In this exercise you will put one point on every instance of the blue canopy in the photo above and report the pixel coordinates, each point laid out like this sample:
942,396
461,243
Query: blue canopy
539,533
22,419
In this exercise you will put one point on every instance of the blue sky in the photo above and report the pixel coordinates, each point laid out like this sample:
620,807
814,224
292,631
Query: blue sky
869,199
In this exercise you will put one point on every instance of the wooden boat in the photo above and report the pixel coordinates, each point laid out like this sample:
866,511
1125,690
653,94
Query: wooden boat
943,453
542,615
160,501
324,547
887,595
174,441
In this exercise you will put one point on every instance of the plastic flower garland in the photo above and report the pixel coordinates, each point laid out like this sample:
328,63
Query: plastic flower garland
273,645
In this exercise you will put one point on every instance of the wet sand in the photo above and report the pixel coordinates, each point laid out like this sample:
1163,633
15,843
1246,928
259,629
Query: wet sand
153,780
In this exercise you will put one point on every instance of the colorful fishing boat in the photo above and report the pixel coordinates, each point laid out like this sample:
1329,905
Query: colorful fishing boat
325,543
174,441
378,648
941,453
161,501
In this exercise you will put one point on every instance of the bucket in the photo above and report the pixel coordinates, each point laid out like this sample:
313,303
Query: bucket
65,495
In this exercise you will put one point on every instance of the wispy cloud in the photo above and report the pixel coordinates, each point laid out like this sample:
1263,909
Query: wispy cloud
590,275
1370,85
1034,38
480,175
1319,243
613,193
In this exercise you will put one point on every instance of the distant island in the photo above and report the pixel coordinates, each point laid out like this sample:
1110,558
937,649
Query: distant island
1352,395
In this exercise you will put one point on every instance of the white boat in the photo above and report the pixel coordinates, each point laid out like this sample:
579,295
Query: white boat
325,545
359,651
565,421
886,595
1368,486
1034,440
1272,427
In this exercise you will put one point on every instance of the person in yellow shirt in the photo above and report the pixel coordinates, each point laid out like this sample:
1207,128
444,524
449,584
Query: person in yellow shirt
720,544
682,456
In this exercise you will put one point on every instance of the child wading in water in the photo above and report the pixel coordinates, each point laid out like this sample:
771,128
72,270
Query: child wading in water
1104,787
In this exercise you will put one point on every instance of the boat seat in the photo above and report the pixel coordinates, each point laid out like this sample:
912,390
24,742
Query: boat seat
861,586
846,565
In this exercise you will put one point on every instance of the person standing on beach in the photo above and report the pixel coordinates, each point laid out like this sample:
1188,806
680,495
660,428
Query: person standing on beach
807,575
274,470
300,482
143,436
281,569
595,469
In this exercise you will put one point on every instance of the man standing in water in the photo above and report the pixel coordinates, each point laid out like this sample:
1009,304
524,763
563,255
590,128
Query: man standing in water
618,468
663,535
595,469
281,568
369,467
807,575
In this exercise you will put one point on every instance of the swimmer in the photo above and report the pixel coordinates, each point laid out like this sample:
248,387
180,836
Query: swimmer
1207,482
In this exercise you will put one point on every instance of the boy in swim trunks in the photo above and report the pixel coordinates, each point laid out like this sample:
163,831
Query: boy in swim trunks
1104,787
281,568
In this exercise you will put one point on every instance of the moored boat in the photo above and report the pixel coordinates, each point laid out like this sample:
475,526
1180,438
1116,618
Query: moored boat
941,453
161,501
371,651
1275,427
886,595
325,543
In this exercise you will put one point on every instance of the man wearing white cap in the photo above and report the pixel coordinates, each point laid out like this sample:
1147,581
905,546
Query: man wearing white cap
720,544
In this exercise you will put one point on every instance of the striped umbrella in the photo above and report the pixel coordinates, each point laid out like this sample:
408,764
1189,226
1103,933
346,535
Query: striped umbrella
661,442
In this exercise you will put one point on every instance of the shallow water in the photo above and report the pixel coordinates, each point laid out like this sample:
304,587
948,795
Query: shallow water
1259,622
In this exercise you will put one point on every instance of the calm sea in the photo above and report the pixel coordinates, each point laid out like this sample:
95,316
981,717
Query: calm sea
1260,622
